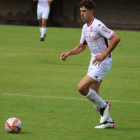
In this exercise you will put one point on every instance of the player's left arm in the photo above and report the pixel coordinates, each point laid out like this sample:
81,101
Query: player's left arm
115,39
49,1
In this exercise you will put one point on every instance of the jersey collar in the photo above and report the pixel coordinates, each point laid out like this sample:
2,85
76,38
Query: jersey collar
91,22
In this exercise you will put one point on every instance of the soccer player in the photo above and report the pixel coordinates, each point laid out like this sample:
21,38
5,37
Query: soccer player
43,10
96,35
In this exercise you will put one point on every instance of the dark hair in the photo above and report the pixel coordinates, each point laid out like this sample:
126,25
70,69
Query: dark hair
89,4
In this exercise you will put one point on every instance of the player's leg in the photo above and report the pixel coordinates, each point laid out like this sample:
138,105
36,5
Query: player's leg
44,23
96,87
39,17
84,89
109,123
40,24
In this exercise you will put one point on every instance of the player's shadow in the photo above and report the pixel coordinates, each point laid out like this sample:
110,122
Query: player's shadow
20,133
127,129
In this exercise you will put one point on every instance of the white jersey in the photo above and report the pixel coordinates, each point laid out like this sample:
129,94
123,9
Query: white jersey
97,36
42,4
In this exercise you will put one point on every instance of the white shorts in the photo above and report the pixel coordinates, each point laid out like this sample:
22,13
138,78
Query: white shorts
98,72
43,13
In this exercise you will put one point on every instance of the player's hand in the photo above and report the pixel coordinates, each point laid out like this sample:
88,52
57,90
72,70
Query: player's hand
98,59
63,56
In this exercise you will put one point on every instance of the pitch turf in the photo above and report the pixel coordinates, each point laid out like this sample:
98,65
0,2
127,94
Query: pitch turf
41,90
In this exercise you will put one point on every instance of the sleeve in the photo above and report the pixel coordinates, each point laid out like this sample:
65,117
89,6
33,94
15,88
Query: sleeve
82,40
104,31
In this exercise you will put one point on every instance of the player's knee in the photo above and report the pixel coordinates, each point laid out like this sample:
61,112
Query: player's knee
81,89
44,25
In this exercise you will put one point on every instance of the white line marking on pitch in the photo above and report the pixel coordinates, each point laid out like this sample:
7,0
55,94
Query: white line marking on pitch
66,98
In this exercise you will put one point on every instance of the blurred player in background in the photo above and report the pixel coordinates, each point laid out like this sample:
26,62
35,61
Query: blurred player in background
96,35
43,10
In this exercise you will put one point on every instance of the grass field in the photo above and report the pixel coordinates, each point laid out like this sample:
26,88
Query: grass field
41,90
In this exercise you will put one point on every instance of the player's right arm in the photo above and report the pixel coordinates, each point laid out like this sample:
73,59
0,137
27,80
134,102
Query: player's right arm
75,51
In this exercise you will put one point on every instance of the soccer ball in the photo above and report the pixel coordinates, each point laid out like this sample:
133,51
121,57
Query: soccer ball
13,125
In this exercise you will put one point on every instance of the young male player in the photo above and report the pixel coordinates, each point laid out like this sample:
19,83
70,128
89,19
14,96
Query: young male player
43,10
96,35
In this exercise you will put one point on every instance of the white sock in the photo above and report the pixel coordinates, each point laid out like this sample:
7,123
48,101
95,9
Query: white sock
93,96
43,32
40,29
98,109
96,106
109,119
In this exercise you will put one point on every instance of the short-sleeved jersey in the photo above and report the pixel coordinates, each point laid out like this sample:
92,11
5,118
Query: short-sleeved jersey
97,36
42,4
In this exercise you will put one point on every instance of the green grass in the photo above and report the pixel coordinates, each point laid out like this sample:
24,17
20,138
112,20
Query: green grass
32,78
